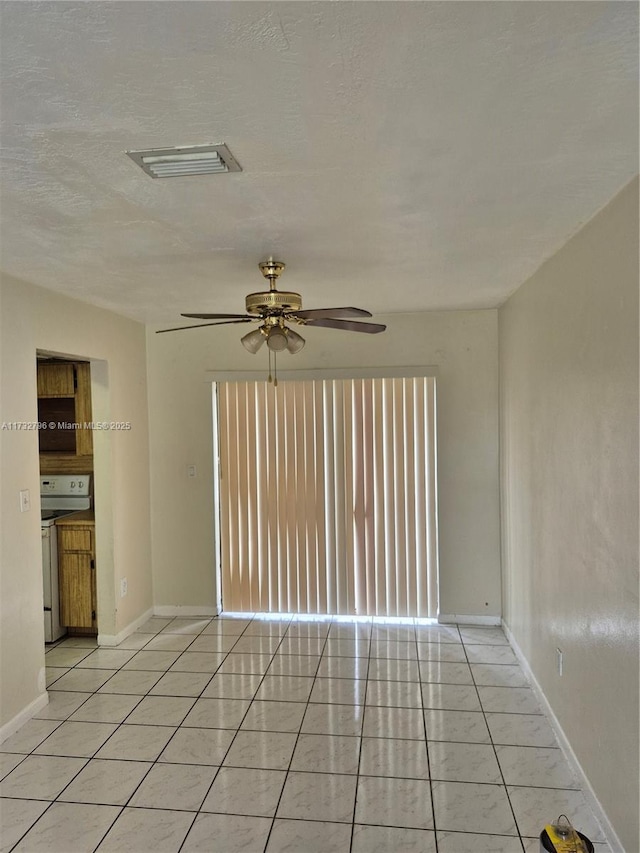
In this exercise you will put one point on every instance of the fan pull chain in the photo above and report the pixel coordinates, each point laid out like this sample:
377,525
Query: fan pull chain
273,378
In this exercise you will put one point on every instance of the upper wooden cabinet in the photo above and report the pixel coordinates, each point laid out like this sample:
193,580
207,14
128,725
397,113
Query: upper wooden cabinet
56,380
84,437
64,405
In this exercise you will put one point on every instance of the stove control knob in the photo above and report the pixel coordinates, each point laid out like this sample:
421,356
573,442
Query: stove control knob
73,484
80,484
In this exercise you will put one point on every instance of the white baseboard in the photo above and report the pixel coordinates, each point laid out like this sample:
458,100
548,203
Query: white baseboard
565,746
458,619
115,639
185,610
161,610
20,719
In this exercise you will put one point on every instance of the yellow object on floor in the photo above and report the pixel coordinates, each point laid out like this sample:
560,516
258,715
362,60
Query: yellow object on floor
564,838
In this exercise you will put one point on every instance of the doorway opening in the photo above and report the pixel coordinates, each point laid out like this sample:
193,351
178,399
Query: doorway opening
65,444
327,497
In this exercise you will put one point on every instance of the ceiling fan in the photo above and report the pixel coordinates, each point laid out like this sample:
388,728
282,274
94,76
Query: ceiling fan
274,308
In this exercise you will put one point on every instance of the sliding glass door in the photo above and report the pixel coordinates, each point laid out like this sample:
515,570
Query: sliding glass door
328,496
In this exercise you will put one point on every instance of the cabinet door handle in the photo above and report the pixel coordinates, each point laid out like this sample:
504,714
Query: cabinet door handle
93,564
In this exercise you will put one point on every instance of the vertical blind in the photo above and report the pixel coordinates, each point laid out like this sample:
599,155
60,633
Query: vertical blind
328,496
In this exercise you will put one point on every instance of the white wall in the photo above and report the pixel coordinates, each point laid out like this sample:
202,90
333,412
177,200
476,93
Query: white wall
569,447
31,319
463,347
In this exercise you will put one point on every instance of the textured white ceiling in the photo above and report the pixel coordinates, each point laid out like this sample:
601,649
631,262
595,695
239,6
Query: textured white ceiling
399,156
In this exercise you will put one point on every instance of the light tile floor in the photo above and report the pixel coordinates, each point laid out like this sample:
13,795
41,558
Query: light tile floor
234,734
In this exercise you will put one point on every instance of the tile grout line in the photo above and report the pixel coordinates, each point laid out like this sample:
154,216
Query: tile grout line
288,771
152,764
119,725
75,776
220,766
426,737
484,716
155,761
56,799
215,775
364,714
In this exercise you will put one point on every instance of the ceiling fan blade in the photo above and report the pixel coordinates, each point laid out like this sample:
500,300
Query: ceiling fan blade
200,325
218,316
347,325
320,313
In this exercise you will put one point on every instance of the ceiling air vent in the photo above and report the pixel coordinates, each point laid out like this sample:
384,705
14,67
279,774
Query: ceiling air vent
186,160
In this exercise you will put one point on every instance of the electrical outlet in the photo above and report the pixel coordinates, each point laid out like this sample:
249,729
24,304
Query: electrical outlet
191,470
123,587
25,500
559,661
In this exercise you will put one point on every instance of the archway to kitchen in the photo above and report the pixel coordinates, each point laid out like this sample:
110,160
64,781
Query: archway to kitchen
327,495
82,458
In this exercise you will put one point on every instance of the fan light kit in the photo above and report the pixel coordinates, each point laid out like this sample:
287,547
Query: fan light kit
274,308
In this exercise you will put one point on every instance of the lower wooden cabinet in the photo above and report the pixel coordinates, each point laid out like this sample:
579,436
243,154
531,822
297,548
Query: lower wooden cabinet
76,571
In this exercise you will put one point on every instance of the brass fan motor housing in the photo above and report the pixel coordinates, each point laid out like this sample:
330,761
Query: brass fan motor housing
272,301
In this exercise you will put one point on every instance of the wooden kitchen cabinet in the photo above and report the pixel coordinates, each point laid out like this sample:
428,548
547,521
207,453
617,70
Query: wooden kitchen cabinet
76,574
56,379
64,408
84,437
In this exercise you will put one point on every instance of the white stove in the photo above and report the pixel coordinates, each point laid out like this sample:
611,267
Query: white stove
60,495
49,516
64,493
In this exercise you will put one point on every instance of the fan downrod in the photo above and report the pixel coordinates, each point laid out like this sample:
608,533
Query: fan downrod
272,270
273,301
